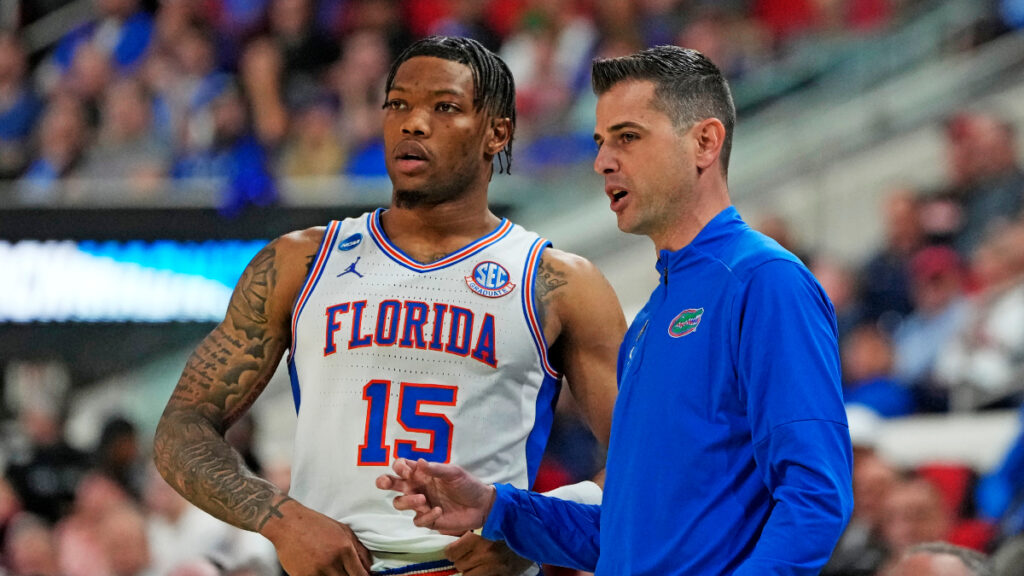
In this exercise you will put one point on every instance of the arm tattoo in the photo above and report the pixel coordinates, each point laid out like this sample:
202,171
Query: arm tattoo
548,280
274,511
221,380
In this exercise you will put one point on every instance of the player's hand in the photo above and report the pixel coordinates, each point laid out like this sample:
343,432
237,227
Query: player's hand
477,556
444,497
309,543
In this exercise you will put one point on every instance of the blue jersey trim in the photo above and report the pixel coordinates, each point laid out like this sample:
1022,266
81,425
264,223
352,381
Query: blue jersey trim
544,417
315,272
293,375
527,297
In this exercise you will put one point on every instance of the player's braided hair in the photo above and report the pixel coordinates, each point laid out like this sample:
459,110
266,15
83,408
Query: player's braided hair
494,91
688,87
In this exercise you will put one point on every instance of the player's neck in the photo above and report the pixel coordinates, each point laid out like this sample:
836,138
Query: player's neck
428,232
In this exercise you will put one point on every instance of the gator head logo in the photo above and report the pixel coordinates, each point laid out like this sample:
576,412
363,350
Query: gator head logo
685,322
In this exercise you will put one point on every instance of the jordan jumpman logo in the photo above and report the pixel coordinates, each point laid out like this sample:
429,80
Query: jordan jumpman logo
352,268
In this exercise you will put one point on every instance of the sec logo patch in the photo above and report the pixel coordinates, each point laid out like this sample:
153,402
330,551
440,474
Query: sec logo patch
490,279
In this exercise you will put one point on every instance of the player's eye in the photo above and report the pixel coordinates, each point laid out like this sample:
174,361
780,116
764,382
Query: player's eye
394,104
446,107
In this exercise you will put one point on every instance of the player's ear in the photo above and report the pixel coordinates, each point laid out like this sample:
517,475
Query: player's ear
710,136
498,135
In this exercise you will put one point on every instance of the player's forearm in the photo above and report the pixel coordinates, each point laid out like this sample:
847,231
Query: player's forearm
197,462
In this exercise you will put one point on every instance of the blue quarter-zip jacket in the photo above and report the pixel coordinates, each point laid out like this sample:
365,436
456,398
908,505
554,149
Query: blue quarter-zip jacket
729,450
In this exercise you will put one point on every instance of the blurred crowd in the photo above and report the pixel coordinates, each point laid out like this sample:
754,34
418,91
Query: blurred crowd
933,322
107,512
156,98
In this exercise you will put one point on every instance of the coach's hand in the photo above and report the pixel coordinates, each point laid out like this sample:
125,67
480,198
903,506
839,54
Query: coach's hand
309,543
477,556
444,497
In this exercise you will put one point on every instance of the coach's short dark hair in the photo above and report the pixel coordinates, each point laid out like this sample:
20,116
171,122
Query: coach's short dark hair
973,560
687,86
494,91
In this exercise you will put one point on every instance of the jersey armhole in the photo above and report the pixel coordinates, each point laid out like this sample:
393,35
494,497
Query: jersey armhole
312,277
529,309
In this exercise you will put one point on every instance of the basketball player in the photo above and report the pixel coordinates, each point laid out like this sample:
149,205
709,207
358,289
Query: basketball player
432,329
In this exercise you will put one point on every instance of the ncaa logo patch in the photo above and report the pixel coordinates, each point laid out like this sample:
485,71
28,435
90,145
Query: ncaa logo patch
490,279
350,242
685,323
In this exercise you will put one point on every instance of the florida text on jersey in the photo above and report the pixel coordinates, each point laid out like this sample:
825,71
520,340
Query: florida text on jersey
395,358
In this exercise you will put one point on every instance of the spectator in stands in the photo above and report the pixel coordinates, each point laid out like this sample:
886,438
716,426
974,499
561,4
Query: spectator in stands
840,284
186,91
119,455
128,160
867,373
381,17
357,80
87,80
986,178
940,559
885,290
122,32
733,42
81,547
62,136
29,548
262,72
914,513
313,148
20,107
180,533
550,60
280,69
231,157
984,364
788,19
940,310
306,51
468,19
125,542
45,474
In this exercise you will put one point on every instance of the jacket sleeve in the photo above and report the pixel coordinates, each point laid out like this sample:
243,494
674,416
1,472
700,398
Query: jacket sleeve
788,364
545,529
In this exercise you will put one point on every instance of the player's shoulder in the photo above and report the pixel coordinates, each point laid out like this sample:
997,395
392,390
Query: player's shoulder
300,243
569,264
291,252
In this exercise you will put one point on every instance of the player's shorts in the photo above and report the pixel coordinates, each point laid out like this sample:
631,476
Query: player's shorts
422,565
435,568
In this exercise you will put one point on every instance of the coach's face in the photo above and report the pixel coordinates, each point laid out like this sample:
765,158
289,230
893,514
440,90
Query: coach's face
647,163
438,145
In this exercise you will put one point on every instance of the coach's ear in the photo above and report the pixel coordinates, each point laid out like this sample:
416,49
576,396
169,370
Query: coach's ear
498,135
710,136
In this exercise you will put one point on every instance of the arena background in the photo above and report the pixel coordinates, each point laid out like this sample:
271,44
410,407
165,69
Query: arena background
149,149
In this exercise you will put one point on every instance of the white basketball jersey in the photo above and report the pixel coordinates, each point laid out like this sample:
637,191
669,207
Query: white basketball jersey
393,358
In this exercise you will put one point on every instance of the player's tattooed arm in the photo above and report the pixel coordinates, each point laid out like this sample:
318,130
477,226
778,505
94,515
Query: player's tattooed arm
551,276
223,377
583,325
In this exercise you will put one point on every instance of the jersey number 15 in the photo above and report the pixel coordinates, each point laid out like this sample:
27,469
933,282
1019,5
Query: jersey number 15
374,450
